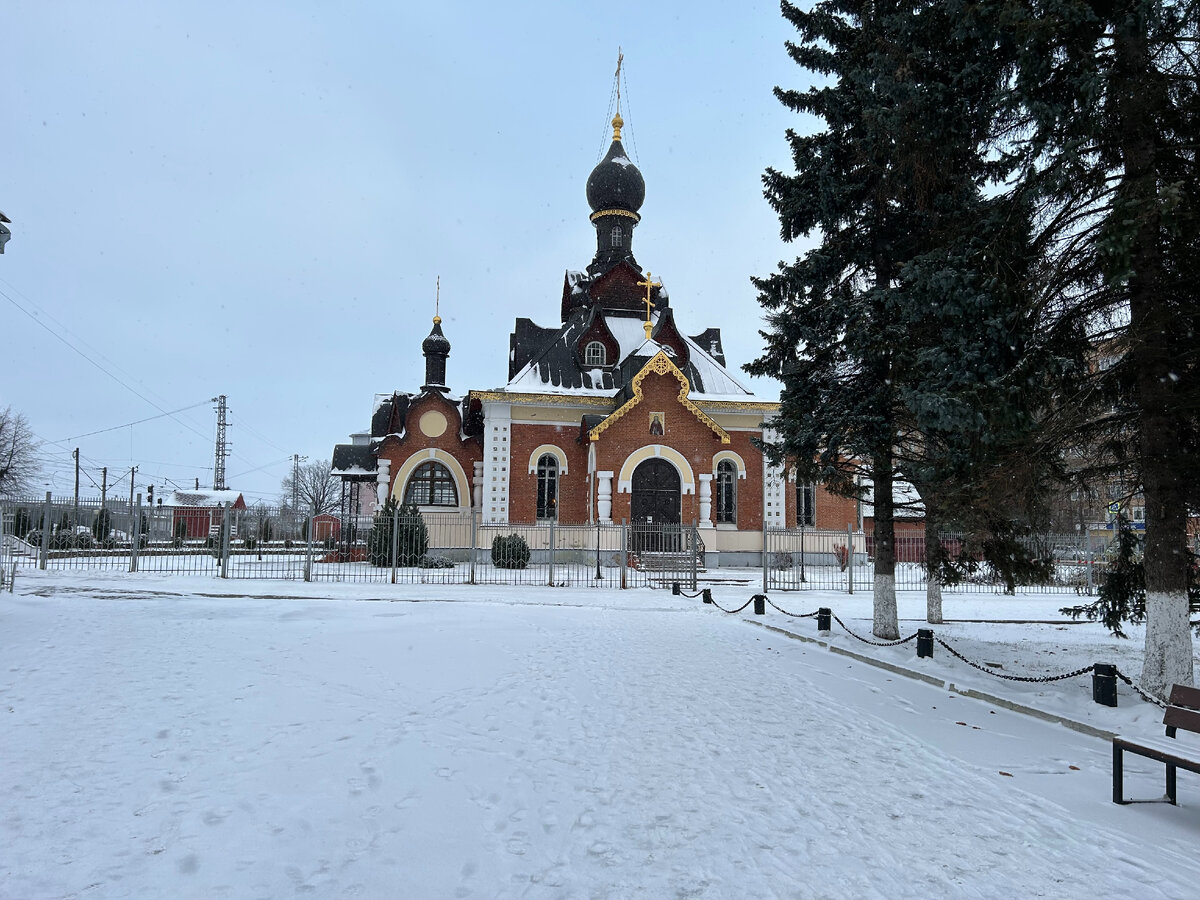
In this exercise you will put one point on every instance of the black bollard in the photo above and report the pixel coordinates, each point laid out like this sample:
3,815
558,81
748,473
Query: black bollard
675,588
708,595
1104,684
924,643
760,605
824,616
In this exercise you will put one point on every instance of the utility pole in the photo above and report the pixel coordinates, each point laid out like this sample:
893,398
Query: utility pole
103,485
75,522
296,458
132,472
222,449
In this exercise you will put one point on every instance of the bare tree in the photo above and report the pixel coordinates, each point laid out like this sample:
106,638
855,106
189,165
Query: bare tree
313,488
19,459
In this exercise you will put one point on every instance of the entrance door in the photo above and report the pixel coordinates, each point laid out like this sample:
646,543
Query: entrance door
655,506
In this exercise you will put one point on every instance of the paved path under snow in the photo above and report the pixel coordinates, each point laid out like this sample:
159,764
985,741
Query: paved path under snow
203,747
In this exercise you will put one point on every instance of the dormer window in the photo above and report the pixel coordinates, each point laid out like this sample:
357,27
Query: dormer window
617,236
593,353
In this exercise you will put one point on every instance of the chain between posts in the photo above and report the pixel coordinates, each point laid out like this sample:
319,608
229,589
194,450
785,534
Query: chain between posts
738,610
1035,679
1029,679
811,615
874,643
1149,698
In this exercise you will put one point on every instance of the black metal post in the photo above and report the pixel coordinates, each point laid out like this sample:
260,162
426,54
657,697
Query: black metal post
824,615
708,595
598,575
675,588
1104,684
924,643
760,604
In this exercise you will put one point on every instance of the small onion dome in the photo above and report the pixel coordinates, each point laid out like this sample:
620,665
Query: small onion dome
616,182
437,343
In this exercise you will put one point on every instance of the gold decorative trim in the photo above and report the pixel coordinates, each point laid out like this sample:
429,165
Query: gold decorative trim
660,364
614,212
540,399
734,406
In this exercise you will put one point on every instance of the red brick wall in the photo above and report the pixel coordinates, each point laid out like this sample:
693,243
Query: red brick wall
833,512
526,437
398,450
690,437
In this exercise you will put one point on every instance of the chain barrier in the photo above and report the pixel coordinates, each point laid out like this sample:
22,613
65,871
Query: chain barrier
683,593
1149,698
731,611
1028,679
871,642
1038,679
811,615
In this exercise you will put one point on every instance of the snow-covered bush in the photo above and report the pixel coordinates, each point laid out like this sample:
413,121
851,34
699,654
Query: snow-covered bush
509,551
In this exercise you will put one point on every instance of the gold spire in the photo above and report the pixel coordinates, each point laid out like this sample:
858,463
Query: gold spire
437,303
617,121
648,284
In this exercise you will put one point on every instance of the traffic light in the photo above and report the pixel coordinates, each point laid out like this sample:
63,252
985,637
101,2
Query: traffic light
150,495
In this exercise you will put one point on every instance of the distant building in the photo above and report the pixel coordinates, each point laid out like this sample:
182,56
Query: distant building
201,511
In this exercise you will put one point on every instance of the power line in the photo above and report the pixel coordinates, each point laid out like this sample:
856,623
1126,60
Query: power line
42,311
275,462
242,424
171,413
123,384
129,424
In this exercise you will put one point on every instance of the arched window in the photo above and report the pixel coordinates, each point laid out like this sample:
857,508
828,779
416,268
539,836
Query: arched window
727,492
806,504
593,354
547,487
431,485
617,236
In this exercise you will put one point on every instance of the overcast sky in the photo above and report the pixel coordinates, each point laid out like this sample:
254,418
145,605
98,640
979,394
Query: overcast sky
256,200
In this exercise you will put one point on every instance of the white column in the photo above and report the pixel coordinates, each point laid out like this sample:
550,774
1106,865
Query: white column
604,497
496,460
705,500
774,488
382,479
477,485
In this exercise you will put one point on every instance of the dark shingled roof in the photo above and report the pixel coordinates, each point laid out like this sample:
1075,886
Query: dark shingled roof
389,417
347,457
557,359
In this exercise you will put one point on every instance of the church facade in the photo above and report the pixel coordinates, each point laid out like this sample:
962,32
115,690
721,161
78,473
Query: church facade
613,414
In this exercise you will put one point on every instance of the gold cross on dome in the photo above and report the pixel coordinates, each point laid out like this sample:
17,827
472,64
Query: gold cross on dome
649,284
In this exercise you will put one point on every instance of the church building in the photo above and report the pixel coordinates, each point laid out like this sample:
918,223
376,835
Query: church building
616,413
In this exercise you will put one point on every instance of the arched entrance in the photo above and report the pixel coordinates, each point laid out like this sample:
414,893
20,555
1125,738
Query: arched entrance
655,506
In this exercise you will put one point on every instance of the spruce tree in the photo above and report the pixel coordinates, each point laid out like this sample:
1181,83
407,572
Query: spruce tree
1111,94
901,337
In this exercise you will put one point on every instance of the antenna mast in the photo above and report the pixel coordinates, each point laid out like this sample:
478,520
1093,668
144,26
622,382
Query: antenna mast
222,449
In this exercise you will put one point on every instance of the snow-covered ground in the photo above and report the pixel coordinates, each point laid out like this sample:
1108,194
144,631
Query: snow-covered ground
190,737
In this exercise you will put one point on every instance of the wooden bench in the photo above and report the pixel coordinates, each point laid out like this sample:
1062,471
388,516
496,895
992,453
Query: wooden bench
1184,712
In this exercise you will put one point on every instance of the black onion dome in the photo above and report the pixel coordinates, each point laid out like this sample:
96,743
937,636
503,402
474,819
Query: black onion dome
616,182
437,343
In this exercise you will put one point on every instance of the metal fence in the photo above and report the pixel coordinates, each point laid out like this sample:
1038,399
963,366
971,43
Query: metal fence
274,542
808,559
455,547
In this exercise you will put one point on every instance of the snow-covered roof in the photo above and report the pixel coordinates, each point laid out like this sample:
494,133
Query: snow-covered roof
905,498
709,379
203,498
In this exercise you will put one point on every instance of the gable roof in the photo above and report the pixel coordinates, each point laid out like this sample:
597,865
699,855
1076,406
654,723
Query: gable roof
555,368
659,364
205,499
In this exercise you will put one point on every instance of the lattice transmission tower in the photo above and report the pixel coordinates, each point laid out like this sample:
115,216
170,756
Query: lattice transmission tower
222,448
